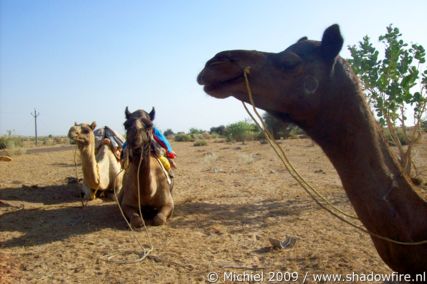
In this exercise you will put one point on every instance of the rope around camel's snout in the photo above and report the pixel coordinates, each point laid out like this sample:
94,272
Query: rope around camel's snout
304,184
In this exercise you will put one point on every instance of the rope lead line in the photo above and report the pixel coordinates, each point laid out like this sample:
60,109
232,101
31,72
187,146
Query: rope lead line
145,251
304,184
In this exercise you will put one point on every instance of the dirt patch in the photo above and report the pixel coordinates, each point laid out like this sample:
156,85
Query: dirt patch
231,199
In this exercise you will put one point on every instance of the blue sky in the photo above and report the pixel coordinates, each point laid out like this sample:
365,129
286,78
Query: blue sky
78,60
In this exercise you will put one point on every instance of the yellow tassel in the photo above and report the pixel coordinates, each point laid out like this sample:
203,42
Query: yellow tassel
165,163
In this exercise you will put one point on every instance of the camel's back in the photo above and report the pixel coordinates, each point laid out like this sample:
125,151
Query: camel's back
108,162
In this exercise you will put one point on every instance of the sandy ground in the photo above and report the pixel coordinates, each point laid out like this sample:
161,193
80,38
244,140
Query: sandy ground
230,199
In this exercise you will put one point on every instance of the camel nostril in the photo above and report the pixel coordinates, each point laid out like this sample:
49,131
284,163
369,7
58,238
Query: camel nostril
218,60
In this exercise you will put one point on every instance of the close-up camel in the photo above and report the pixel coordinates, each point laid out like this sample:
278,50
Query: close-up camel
310,85
146,184
101,169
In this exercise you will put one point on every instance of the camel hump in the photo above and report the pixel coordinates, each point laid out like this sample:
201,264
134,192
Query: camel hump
5,159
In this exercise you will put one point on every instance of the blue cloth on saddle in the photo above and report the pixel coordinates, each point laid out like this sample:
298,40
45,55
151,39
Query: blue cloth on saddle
162,138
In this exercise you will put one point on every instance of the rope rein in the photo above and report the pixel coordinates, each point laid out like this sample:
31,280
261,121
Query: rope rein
312,192
145,251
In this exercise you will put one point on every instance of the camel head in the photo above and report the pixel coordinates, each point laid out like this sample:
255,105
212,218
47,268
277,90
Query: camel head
139,128
291,84
82,133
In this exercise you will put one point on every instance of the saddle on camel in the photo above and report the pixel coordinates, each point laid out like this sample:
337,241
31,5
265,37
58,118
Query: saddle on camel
147,184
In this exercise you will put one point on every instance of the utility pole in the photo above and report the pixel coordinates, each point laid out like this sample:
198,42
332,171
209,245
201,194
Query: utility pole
35,115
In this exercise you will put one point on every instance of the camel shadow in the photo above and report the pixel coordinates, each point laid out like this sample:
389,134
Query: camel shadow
239,216
51,213
47,195
40,226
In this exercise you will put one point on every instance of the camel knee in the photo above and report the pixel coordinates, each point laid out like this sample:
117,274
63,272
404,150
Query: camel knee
159,219
164,214
136,221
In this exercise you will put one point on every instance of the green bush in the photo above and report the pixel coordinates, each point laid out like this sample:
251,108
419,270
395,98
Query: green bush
11,142
200,143
241,131
400,135
220,130
168,132
196,131
182,137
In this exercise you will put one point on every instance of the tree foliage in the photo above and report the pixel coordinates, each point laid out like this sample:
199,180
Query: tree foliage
394,83
168,132
241,131
220,130
277,127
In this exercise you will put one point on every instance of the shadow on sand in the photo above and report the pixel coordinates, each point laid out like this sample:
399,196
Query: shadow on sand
48,195
61,215
237,216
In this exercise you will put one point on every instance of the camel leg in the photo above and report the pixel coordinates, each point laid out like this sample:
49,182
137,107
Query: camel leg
87,193
164,213
133,216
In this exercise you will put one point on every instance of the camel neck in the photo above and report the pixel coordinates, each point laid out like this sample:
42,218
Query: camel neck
381,195
144,170
90,166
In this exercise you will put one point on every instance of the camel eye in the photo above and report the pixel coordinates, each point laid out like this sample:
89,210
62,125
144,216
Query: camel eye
289,60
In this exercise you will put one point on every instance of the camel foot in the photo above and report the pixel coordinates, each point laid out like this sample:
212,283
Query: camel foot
110,196
158,220
94,201
136,221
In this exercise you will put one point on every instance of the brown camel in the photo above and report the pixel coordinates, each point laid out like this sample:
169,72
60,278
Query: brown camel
155,187
310,85
101,169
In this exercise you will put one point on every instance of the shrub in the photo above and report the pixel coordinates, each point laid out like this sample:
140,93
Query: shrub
220,130
2,144
400,135
196,131
168,132
200,143
11,142
241,131
182,137
424,125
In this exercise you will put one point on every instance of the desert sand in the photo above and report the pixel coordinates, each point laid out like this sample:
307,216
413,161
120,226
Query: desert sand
230,200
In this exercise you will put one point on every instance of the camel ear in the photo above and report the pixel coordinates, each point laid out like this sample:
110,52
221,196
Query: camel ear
303,38
75,123
332,42
127,113
93,125
152,114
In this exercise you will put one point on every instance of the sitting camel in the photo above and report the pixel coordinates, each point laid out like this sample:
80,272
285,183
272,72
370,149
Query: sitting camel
101,169
144,174
310,85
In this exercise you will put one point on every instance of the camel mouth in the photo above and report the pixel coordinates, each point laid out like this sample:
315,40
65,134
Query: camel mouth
217,89
76,138
220,73
217,82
